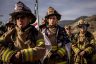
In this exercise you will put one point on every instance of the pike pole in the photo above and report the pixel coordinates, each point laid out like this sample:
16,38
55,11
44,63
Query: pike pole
36,12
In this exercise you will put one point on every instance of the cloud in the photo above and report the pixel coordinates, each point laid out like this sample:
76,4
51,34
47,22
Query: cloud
69,9
79,9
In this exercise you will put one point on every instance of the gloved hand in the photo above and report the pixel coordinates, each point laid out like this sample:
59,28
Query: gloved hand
82,53
16,58
18,55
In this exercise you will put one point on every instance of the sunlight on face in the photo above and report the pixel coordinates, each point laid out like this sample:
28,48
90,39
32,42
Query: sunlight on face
52,20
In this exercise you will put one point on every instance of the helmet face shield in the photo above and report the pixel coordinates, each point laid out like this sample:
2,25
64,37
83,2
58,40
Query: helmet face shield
83,28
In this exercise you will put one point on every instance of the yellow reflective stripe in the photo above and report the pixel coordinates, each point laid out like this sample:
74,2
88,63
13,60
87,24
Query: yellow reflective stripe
62,62
1,38
30,54
54,48
9,55
76,50
26,54
89,50
5,53
2,51
40,42
61,51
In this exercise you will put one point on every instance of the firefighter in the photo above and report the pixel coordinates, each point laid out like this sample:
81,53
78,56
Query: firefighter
69,32
84,45
71,37
58,38
23,44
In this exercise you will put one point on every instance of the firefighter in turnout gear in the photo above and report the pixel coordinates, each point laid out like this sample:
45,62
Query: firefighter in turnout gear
69,32
23,44
71,37
83,47
58,38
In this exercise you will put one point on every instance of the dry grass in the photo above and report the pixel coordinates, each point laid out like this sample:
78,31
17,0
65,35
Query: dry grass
94,33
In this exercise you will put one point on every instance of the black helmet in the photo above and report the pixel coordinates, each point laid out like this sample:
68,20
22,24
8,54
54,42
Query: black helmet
22,10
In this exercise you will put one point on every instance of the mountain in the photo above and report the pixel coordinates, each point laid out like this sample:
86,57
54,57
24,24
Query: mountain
65,22
89,19
81,17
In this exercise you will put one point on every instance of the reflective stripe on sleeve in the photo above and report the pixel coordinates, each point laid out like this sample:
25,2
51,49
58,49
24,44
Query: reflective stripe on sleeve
40,42
61,51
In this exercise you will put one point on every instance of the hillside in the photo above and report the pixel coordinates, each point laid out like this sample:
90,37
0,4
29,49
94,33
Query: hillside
90,19
65,22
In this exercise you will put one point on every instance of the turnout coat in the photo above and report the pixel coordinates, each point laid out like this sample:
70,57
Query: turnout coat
29,42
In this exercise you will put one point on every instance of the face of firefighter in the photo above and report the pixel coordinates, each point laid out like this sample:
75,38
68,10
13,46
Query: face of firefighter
22,21
68,30
52,20
83,29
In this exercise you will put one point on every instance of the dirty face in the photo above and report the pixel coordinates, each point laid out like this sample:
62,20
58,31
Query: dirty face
22,21
52,20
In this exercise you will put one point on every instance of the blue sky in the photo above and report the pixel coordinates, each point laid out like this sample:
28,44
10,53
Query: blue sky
69,9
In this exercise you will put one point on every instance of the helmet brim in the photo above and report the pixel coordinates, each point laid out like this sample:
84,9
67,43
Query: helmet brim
15,14
57,15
